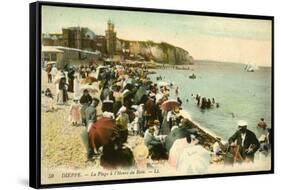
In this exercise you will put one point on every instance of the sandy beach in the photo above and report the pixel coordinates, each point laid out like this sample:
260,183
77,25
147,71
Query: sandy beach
63,151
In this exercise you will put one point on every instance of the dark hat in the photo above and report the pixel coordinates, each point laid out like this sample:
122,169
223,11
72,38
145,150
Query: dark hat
150,123
96,99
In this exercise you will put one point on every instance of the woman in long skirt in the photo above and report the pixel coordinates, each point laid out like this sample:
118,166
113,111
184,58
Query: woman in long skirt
63,90
75,115
76,87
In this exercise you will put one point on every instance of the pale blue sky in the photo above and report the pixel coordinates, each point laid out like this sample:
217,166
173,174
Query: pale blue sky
204,37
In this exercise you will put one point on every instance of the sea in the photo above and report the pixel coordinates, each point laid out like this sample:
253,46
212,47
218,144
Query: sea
241,95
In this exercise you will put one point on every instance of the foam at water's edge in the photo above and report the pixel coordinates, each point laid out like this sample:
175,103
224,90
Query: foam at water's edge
185,114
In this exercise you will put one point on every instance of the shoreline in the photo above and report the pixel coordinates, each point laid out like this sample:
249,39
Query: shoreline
57,149
208,132
185,114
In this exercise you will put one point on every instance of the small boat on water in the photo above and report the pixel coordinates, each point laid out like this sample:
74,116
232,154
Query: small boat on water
192,76
182,68
250,68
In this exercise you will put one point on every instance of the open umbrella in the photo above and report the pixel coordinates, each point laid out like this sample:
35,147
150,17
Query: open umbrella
101,132
169,104
175,134
90,88
176,151
194,160
89,80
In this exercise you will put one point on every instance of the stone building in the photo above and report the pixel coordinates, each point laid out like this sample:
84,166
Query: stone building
51,54
100,44
85,39
79,38
61,56
53,39
110,36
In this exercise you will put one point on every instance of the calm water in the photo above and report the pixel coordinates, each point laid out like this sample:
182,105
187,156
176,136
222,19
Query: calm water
246,95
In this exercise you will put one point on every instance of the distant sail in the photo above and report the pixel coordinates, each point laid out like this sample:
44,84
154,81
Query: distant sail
251,67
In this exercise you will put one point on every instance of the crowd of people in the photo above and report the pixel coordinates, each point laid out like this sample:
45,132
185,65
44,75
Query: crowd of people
133,105
205,102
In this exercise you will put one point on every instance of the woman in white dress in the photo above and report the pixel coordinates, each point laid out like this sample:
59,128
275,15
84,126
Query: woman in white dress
76,87
54,71
58,97
75,116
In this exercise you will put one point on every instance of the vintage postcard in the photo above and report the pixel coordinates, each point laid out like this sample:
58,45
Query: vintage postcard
134,94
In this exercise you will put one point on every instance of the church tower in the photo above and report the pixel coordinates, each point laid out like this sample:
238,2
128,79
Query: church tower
110,36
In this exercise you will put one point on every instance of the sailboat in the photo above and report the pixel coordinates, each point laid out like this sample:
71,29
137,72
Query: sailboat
250,67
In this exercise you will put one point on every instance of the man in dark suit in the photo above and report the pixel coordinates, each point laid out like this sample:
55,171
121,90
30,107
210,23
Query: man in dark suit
85,101
245,140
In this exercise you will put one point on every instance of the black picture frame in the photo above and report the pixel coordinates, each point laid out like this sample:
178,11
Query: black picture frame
35,92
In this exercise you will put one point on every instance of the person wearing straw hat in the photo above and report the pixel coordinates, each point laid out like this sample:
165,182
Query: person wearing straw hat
262,124
141,155
245,141
154,145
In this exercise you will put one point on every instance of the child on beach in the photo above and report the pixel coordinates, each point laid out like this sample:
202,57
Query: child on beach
48,101
75,115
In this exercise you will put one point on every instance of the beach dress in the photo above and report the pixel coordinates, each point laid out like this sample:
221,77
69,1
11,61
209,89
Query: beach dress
175,151
75,115
193,160
76,88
